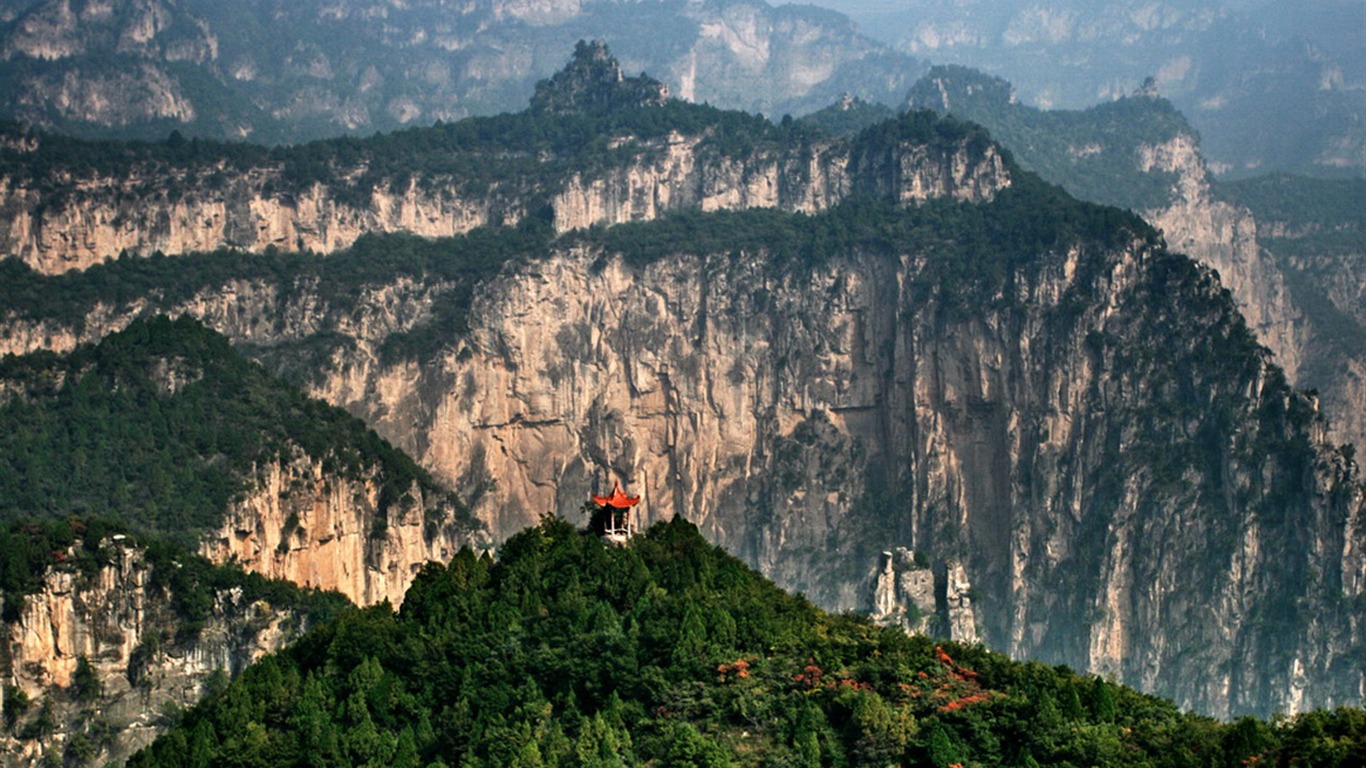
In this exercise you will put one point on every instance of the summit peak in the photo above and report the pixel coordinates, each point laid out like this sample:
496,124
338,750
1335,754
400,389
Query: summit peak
592,81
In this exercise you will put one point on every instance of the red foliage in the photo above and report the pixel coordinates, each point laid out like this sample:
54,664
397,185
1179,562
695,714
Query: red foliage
740,669
810,676
957,704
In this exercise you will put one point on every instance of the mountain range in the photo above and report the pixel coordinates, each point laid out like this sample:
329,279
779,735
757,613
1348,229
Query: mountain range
889,367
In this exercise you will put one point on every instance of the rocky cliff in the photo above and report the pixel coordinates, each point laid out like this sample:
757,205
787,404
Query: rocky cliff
98,664
305,525
148,206
1141,154
1116,476
1224,236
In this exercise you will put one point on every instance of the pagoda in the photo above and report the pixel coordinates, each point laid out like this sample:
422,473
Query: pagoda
612,518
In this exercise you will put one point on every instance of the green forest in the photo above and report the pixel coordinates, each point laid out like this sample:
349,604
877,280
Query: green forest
668,652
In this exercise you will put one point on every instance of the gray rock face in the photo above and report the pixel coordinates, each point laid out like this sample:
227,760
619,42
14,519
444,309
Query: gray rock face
910,594
126,631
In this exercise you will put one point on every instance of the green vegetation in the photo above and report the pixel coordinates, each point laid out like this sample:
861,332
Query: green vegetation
512,154
848,117
30,548
158,427
668,652
1301,204
1093,153
971,247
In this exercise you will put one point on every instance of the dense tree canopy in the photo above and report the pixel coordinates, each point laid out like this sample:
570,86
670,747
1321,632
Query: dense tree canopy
667,652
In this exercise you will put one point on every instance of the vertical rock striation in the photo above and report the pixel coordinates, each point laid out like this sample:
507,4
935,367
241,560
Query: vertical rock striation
123,627
316,529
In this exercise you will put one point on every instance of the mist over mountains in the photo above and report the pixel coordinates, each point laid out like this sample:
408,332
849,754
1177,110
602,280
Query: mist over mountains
1269,86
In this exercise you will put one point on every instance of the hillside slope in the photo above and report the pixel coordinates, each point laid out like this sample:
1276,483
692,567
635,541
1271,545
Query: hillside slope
118,462
667,652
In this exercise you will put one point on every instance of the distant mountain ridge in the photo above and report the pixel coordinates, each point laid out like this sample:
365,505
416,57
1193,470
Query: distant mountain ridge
288,71
1269,86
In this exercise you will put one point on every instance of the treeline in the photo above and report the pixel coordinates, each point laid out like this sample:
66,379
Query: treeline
970,247
454,266
475,153
668,652
159,427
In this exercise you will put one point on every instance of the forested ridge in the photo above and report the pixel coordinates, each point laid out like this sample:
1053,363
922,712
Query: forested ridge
154,431
1092,152
668,652
969,245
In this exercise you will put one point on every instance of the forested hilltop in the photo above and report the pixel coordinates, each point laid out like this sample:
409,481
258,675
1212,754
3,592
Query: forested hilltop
190,421
668,652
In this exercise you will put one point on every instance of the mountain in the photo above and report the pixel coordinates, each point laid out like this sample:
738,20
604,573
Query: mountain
567,652
281,71
1269,87
117,462
1138,152
821,350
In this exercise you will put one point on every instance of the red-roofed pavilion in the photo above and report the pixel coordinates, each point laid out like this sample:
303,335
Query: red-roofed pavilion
612,520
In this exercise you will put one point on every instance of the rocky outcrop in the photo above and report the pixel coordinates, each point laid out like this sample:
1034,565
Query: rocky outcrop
908,593
97,665
319,530
1225,237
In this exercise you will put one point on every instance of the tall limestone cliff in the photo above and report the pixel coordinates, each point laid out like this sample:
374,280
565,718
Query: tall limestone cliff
305,525
1141,154
98,663
1315,230
1087,430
